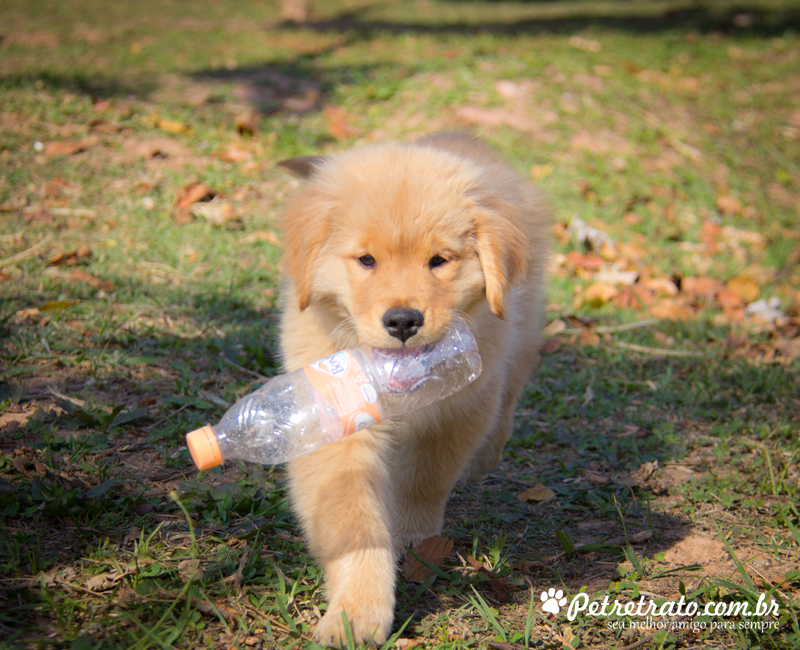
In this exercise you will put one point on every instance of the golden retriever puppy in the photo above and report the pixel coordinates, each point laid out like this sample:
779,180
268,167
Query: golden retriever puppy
384,245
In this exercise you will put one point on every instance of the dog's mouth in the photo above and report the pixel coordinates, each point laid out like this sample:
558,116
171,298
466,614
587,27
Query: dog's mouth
402,367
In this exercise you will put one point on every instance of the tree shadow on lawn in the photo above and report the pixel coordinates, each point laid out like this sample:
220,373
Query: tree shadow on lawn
84,471
638,18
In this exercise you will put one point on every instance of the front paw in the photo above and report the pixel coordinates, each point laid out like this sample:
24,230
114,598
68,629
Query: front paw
369,623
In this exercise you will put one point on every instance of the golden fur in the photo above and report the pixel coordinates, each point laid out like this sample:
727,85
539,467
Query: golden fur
363,500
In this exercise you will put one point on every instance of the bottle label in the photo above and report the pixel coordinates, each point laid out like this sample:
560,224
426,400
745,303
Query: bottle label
340,380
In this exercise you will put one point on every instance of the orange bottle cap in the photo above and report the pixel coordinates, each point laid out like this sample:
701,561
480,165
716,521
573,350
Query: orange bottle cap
204,448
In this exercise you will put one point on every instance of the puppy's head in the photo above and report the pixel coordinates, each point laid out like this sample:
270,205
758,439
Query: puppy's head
396,238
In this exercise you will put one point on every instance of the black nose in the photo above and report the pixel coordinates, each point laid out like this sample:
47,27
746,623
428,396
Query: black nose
402,323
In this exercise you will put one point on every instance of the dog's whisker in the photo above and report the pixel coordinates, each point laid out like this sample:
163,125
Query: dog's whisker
345,334
464,315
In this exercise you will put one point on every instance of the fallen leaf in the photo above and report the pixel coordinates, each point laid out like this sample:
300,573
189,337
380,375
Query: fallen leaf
192,194
589,236
634,538
670,309
744,287
585,44
247,123
517,117
34,315
588,337
617,277
39,215
235,153
539,172
189,570
216,211
598,294
767,310
262,235
87,278
627,299
551,345
587,261
710,234
57,305
103,581
172,126
729,300
339,123
644,472
32,39
537,494
499,587
661,287
729,205
69,258
63,148
701,287
434,550
555,327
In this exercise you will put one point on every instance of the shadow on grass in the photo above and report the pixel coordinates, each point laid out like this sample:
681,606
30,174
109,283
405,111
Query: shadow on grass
631,17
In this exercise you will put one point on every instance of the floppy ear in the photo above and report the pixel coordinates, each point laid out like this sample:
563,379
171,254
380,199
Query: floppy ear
502,246
306,227
302,166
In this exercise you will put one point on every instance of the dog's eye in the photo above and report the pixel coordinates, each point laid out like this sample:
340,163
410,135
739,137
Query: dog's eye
436,260
367,261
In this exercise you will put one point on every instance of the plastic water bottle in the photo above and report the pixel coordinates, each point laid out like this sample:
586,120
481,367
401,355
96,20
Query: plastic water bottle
298,412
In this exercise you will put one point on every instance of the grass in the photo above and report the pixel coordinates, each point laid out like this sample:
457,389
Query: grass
663,422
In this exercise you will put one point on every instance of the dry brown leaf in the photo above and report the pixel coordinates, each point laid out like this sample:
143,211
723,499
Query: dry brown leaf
190,570
626,299
216,211
68,258
172,126
744,287
262,235
539,172
598,294
729,205
39,215
498,586
670,309
661,287
701,287
634,538
588,261
33,39
585,44
192,194
729,300
63,148
617,277
537,494
434,550
556,326
517,117
339,123
103,581
710,234
87,278
247,123
552,345
645,471
235,153
588,337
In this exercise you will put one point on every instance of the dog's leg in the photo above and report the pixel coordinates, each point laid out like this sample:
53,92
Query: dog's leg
428,463
489,454
342,495
525,341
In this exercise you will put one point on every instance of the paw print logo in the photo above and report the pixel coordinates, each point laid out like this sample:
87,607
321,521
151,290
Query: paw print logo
553,600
